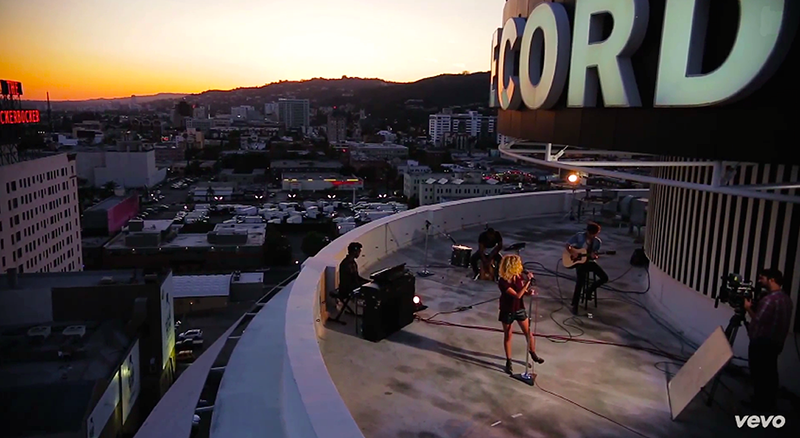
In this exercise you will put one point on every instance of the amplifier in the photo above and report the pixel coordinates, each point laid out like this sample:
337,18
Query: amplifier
388,307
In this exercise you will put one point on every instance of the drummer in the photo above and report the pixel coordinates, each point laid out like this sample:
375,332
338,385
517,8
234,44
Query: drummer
490,242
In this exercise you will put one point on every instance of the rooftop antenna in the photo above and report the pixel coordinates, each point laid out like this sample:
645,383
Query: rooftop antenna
49,114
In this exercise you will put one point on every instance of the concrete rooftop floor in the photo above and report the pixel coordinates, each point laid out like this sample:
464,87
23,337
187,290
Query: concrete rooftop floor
432,381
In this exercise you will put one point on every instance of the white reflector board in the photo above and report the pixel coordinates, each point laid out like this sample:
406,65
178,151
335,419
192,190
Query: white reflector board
704,364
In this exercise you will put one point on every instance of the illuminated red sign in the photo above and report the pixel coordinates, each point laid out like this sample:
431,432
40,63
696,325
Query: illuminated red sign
16,117
10,88
345,183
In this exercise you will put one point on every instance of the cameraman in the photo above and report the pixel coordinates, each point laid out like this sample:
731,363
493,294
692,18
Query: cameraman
768,328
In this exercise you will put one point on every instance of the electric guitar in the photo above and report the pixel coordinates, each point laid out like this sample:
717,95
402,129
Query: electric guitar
580,258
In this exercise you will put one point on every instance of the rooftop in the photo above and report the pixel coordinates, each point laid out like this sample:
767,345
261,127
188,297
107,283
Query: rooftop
445,377
189,240
30,301
317,176
201,286
107,203
253,172
281,164
248,278
50,395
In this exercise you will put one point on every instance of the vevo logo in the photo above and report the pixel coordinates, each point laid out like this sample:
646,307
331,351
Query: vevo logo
754,421
557,54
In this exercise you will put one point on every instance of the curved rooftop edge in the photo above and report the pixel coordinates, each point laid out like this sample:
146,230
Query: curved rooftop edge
284,387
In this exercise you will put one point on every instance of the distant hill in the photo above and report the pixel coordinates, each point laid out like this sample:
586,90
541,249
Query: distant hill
78,104
442,90
373,95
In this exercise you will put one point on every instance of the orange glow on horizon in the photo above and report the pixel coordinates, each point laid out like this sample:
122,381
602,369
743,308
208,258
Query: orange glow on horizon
86,49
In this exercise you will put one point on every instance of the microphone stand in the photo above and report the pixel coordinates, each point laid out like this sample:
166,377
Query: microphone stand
425,272
528,377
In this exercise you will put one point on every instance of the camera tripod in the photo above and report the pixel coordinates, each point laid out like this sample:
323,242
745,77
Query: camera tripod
730,332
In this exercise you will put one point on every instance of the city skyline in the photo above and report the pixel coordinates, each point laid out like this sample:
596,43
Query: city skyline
89,49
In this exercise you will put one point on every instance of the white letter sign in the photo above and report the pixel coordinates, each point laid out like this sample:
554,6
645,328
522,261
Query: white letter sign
606,62
757,52
494,76
509,92
541,86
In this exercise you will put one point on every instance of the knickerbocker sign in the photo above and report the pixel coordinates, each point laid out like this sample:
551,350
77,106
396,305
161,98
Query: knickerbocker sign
582,58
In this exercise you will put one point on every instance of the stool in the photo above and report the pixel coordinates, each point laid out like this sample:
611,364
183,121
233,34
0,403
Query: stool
345,306
588,281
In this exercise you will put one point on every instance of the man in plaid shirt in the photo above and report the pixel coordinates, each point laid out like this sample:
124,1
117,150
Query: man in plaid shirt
770,317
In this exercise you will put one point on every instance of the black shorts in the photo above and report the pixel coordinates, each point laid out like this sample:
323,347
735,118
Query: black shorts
510,317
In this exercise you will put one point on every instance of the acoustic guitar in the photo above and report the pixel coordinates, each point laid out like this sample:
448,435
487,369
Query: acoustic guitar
489,270
580,258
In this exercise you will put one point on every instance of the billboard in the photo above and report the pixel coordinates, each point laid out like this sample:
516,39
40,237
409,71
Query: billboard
19,117
130,376
167,322
104,409
10,88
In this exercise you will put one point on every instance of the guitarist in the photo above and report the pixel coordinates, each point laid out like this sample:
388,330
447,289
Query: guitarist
586,240
490,242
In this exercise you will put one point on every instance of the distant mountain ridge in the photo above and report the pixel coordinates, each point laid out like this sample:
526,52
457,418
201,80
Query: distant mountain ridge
368,93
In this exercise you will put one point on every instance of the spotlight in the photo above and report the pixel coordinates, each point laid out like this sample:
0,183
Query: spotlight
418,306
573,178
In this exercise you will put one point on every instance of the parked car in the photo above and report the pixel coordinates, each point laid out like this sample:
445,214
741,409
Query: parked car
185,356
191,334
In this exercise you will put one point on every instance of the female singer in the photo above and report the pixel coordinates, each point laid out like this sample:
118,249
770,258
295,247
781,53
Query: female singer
514,284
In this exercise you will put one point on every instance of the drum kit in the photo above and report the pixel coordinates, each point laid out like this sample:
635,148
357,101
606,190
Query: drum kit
461,255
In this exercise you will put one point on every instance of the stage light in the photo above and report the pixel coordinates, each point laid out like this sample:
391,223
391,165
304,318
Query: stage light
417,300
573,178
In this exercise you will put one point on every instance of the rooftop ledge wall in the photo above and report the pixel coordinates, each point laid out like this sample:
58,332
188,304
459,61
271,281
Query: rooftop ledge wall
311,403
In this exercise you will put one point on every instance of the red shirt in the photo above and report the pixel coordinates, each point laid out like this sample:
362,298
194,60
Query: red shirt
773,314
509,303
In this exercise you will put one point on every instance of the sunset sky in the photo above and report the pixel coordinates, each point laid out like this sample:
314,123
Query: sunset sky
81,49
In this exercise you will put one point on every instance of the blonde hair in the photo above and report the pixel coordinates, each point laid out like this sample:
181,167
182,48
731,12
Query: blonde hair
510,267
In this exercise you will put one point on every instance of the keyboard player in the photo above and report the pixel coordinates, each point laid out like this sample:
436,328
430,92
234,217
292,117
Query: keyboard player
349,278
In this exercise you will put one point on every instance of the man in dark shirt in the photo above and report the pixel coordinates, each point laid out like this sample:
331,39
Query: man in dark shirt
349,279
591,242
768,328
490,242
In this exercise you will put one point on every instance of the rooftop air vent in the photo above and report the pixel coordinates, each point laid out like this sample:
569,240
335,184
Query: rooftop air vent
42,331
75,330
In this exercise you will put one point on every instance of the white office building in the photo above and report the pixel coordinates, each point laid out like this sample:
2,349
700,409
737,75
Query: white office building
131,165
434,191
294,113
411,182
444,128
39,221
413,167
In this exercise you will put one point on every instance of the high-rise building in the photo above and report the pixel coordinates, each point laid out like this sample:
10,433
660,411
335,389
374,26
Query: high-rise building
337,127
39,220
294,113
444,127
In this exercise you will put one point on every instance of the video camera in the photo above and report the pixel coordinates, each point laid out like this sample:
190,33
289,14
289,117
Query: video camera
735,291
